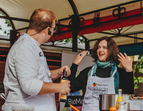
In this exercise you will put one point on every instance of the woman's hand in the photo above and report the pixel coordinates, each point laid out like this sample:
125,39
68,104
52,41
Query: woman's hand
126,63
80,57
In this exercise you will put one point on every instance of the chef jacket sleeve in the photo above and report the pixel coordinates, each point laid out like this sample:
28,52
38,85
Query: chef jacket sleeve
26,64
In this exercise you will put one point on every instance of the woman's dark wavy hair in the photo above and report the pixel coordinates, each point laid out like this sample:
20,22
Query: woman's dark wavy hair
112,50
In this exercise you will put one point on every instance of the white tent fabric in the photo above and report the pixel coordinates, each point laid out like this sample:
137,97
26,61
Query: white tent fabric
62,8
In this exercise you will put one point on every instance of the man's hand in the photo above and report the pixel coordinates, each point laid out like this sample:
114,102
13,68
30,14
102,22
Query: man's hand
59,72
48,88
64,87
62,69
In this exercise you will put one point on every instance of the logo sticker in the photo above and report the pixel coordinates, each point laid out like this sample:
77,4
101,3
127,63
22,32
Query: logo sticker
94,84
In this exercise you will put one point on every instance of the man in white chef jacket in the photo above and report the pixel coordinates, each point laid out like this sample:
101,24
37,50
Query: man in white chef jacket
28,80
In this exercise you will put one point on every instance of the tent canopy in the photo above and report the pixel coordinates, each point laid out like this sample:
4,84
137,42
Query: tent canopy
62,8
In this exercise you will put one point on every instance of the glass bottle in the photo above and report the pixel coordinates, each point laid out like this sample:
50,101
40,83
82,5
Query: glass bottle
119,98
121,106
63,97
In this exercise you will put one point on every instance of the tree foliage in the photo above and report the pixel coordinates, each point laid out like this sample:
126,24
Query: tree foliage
7,22
80,40
138,68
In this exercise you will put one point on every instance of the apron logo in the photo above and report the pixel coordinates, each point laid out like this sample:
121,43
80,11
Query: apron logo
94,84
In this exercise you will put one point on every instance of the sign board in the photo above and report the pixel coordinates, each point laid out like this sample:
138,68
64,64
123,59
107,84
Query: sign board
68,59
74,100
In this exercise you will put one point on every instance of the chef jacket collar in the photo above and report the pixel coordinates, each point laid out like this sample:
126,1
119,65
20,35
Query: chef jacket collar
33,40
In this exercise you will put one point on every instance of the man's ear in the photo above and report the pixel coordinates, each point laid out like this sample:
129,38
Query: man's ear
46,30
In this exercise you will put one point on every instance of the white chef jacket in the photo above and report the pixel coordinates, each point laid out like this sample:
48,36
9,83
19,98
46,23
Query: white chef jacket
23,71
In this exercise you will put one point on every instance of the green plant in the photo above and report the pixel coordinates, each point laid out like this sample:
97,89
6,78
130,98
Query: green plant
80,40
7,22
138,72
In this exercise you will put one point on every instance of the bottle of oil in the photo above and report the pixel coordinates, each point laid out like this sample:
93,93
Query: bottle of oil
119,98
63,97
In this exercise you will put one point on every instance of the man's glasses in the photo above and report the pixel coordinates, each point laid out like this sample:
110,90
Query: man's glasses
55,29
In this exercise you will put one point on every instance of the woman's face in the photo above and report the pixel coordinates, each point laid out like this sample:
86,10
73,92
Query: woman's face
102,51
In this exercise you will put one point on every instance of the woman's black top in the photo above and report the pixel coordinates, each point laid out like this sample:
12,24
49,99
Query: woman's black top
79,83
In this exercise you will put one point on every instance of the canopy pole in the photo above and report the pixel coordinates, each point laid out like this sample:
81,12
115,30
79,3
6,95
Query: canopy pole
74,42
74,23
13,37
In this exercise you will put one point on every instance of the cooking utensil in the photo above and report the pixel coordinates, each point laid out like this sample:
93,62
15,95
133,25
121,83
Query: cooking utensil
74,107
108,100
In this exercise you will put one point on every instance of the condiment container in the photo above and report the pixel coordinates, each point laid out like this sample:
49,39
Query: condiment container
119,98
121,106
63,97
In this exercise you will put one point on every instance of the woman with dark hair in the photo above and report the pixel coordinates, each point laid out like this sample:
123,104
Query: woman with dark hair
104,77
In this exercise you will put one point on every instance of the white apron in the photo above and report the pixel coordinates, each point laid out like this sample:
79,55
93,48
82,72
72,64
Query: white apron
40,102
95,87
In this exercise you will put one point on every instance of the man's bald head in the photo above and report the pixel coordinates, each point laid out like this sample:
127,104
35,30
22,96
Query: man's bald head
41,19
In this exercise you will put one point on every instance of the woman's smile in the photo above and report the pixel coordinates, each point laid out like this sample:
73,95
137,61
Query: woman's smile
102,51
